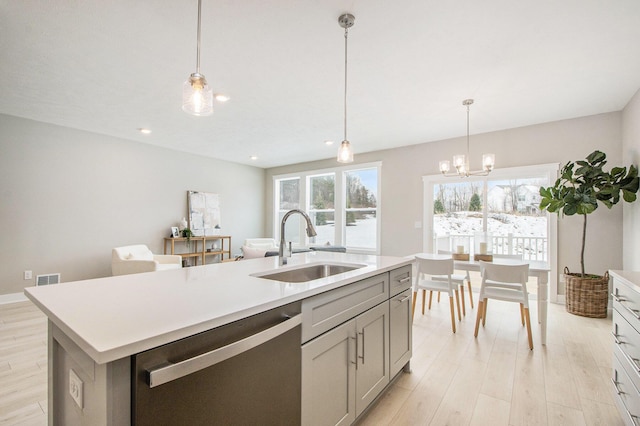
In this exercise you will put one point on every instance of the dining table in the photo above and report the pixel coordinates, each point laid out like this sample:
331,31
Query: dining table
538,269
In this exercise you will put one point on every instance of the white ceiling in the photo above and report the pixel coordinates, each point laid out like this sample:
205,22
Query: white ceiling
112,67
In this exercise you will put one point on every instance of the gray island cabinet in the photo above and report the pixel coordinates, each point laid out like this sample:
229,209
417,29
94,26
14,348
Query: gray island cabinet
354,331
355,339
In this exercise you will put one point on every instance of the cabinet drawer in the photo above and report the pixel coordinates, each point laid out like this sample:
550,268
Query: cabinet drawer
626,395
627,302
399,280
627,346
327,310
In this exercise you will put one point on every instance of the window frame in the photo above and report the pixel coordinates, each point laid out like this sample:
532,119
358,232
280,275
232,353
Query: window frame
550,171
339,203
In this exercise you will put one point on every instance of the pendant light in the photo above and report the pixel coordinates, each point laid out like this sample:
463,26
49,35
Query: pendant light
461,161
197,96
345,154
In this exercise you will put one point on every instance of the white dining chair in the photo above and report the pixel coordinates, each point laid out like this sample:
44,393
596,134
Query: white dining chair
507,283
426,269
459,280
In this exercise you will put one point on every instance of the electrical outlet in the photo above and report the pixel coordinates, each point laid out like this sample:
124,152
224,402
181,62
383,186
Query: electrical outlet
28,275
75,388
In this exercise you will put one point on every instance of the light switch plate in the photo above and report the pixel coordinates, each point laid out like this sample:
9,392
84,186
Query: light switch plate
75,388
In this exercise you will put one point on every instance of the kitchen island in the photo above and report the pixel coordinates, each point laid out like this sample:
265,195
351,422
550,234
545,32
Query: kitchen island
96,326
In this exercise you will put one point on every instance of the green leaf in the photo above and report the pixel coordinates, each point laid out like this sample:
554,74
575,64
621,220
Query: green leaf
570,209
628,196
596,157
545,192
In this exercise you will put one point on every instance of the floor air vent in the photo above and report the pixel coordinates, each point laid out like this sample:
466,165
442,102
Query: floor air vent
47,279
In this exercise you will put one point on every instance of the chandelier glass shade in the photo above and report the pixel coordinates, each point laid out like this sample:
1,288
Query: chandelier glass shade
461,161
197,96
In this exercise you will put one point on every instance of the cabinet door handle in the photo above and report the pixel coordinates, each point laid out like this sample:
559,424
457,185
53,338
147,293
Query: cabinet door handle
619,392
349,351
405,279
631,417
630,360
615,386
404,299
362,357
631,311
618,299
615,337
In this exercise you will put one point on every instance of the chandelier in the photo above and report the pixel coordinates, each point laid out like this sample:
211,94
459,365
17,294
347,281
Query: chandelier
461,161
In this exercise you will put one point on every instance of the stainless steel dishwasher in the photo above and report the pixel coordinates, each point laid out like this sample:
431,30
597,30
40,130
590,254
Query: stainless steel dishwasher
245,373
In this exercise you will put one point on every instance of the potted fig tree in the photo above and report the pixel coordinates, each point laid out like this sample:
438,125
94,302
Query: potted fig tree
581,187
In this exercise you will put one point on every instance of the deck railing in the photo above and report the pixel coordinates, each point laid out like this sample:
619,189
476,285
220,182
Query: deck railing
531,248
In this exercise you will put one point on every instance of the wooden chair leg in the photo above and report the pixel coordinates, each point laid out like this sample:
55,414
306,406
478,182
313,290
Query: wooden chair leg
458,304
522,313
484,310
470,293
413,304
453,315
478,318
424,294
528,319
464,309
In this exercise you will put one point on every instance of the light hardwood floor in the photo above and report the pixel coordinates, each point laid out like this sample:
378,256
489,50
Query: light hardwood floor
23,365
455,379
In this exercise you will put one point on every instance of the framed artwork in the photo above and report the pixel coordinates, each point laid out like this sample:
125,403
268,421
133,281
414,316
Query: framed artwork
204,213
175,232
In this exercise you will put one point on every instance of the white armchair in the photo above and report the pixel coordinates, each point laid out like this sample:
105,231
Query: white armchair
258,247
138,258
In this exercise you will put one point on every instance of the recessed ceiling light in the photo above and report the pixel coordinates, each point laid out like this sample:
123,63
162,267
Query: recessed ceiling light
253,157
144,131
328,142
221,98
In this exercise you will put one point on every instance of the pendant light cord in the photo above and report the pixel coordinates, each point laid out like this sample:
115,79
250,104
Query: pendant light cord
198,44
468,151
346,33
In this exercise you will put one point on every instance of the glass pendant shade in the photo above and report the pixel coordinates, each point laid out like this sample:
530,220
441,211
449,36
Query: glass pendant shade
197,96
445,166
345,154
488,161
459,162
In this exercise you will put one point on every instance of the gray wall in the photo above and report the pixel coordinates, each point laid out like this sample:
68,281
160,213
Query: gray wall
69,197
555,142
631,155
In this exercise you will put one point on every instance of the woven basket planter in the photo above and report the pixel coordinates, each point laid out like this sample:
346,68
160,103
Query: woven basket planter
587,297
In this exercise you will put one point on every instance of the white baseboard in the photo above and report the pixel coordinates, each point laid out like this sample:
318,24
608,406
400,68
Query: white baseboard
12,298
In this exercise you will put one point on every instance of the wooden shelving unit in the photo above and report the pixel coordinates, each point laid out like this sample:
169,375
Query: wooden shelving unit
200,247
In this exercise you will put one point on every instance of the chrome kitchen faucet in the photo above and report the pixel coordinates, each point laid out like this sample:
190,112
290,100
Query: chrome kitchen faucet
311,232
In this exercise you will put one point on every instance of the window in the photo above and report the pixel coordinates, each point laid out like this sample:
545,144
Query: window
361,208
503,204
288,196
343,204
321,206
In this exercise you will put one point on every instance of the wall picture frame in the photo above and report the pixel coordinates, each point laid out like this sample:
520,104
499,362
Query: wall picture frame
175,232
204,213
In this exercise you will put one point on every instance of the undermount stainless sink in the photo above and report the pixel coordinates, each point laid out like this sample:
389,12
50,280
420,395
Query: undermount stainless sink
308,272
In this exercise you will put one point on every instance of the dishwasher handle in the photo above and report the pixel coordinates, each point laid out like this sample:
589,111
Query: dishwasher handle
172,371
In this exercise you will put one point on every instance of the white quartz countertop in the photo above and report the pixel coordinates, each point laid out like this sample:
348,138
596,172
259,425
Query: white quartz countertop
630,278
115,317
